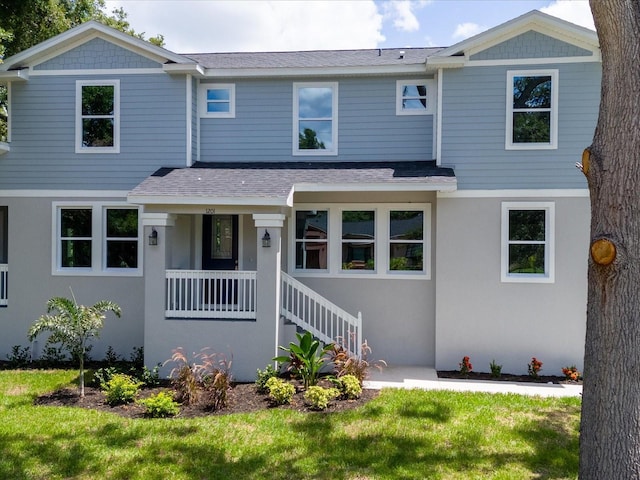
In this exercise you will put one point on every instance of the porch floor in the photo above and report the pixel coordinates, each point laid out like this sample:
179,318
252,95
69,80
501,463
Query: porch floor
426,378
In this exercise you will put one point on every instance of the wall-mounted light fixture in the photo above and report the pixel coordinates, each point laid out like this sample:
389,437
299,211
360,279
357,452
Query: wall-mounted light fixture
153,237
266,239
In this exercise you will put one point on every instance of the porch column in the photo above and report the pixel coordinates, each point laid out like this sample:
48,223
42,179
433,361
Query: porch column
157,258
268,278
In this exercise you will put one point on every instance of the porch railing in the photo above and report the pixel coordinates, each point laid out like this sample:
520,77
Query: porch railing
314,313
211,294
4,277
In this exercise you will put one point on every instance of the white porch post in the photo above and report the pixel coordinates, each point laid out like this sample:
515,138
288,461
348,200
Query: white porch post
268,278
157,258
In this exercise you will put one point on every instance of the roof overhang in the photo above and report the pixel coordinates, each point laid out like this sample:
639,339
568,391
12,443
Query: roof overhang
315,72
14,75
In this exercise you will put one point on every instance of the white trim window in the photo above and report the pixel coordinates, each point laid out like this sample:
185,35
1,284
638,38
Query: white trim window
96,239
315,118
311,239
97,116
355,240
415,97
217,100
528,242
532,110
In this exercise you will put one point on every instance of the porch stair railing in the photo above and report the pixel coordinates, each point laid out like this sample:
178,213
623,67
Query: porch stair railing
210,294
4,277
309,310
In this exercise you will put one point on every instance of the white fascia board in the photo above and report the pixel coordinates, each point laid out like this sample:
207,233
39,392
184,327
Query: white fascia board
14,75
181,68
314,71
64,193
83,33
433,186
190,200
446,62
515,193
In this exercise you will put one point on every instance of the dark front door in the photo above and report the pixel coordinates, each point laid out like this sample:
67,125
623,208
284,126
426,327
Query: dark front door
220,252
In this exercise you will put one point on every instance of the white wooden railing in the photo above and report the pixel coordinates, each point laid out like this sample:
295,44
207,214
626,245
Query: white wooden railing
211,294
4,277
314,313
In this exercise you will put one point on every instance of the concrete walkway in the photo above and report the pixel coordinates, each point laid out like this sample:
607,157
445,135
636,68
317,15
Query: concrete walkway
426,378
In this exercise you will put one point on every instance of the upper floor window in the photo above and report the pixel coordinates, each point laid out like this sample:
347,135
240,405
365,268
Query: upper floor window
217,100
414,97
527,241
96,238
532,109
97,116
315,119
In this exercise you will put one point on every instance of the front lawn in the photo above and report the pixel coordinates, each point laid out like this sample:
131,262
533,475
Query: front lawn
400,434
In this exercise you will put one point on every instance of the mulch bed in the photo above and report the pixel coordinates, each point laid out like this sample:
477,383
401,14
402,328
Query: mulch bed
506,377
242,398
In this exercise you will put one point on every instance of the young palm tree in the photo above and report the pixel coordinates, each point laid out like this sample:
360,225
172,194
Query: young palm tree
73,325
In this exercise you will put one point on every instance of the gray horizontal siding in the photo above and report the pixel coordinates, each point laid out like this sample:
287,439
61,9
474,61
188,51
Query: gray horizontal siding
152,134
531,45
474,122
368,128
97,54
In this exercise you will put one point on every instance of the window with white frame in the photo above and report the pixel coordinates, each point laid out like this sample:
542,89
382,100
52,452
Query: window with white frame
358,239
96,238
217,100
381,240
532,109
311,239
528,241
315,118
415,97
97,116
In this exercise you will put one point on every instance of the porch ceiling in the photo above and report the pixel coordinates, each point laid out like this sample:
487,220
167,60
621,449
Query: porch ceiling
273,184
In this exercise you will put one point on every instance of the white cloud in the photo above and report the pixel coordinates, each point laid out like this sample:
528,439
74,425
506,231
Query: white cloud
191,26
467,29
574,11
403,13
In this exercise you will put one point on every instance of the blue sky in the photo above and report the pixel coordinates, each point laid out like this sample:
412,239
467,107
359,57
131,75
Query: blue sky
259,25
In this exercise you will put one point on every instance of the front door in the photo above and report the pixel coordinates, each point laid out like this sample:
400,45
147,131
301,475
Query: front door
220,242
220,252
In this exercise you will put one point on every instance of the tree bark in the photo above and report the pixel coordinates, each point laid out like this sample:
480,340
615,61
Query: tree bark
610,428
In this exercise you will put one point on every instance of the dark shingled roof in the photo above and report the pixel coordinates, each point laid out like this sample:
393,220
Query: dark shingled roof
275,181
315,59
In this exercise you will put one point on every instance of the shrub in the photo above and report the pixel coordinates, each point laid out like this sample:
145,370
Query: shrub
102,376
160,406
345,363
465,365
571,373
19,356
216,381
534,367
350,386
262,376
111,357
121,389
137,357
150,378
319,397
304,359
496,370
280,392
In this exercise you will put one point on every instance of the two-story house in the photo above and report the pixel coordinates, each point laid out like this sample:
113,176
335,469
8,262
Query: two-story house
424,199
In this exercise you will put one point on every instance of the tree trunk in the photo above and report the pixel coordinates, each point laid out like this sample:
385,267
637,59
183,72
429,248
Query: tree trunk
610,429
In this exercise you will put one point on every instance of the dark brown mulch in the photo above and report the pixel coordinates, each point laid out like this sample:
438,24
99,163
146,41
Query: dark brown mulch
506,377
242,398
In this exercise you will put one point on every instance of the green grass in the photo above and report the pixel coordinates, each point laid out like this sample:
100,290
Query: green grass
400,435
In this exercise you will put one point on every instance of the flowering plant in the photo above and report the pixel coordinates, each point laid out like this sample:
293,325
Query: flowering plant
465,365
534,367
571,373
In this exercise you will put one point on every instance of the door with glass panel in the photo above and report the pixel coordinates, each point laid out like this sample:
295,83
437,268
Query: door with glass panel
220,252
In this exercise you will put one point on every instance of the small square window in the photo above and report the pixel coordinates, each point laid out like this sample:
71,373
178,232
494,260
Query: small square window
217,100
415,97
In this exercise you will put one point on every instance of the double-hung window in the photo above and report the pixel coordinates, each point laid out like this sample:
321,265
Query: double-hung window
311,243
406,240
97,116
358,239
528,241
532,109
217,100
415,97
96,239
315,119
